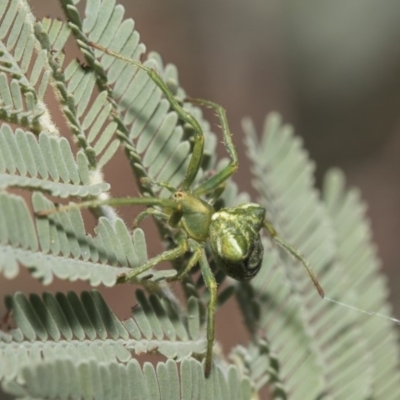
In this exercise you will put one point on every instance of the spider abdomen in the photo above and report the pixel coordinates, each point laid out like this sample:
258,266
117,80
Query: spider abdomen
235,240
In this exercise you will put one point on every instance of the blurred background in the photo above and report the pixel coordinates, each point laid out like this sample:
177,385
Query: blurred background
332,69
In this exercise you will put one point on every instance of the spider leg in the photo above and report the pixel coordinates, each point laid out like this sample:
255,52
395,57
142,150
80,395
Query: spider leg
149,181
213,196
220,177
194,259
150,211
199,256
122,201
168,255
197,153
212,286
289,248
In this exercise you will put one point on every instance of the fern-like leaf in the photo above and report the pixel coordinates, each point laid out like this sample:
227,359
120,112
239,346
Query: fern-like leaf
62,378
65,346
58,245
263,367
152,134
45,163
25,73
85,350
362,266
331,331
66,326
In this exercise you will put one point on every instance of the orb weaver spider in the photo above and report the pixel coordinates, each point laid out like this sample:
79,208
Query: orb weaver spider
233,233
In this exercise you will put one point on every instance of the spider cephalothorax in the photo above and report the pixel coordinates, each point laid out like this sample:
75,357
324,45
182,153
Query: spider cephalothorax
192,214
233,233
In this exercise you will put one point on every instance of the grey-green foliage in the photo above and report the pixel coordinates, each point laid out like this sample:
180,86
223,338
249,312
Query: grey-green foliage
110,380
74,346
87,351
45,162
59,245
349,354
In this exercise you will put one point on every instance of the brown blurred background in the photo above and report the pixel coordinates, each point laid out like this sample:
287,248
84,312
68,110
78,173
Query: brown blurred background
332,69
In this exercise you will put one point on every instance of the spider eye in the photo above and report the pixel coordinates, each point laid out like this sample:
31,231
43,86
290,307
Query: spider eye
179,194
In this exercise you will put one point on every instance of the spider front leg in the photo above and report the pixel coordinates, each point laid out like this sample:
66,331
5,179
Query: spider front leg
218,180
197,153
120,201
147,181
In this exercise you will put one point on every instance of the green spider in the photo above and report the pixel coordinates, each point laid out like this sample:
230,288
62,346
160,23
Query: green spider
233,233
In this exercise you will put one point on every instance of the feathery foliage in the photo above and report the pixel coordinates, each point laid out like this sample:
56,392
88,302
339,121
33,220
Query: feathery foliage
73,345
341,357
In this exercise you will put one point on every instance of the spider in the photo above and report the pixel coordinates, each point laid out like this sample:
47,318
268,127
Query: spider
233,233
